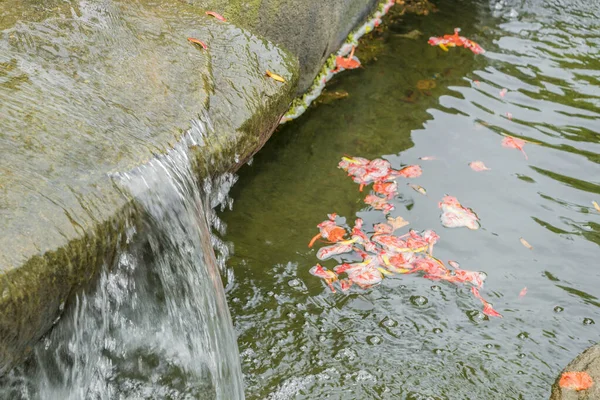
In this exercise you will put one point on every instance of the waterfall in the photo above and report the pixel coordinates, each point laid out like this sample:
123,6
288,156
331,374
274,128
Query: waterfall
157,324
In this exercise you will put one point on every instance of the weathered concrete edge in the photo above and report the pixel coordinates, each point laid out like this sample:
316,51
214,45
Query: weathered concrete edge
329,69
56,276
588,361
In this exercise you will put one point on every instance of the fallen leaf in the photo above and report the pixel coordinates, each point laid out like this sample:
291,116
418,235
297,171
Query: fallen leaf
576,381
503,92
276,77
217,16
196,41
526,244
397,222
418,188
508,115
523,292
596,206
478,166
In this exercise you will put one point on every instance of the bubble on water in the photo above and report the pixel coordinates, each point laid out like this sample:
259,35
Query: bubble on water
588,321
373,340
437,351
419,300
489,346
520,373
475,315
436,288
388,322
523,335
294,283
558,309
521,355
437,330
363,375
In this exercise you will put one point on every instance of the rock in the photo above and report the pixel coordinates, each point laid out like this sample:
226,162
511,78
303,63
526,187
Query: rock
311,30
90,89
588,361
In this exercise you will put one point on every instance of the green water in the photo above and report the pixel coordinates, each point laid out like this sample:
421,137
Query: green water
409,337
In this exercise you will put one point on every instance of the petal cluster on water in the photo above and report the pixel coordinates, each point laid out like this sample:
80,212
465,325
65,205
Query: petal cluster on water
382,175
381,251
455,41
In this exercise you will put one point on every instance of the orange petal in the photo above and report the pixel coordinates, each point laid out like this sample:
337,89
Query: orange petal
217,16
196,41
523,292
576,381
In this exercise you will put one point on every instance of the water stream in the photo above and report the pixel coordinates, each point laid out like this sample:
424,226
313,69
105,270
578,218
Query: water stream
157,325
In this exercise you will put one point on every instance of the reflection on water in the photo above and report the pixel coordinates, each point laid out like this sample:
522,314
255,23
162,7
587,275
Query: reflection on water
412,338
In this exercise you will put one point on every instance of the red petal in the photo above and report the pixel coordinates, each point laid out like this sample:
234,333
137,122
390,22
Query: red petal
490,312
576,381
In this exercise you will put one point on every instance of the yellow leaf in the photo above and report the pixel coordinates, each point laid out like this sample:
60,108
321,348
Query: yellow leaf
526,244
278,78
596,206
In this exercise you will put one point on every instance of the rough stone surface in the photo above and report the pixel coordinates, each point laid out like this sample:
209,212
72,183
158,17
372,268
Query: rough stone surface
311,30
588,361
88,89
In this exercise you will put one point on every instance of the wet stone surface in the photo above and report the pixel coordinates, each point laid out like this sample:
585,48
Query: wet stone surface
94,89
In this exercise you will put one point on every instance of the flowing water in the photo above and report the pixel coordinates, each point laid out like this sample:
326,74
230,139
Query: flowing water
409,337
157,325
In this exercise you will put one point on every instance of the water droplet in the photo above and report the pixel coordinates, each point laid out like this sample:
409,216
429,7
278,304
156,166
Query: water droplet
558,309
373,340
437,330
419,300
588,321
436,288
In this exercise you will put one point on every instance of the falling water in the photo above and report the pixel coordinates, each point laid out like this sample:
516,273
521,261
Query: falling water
157,325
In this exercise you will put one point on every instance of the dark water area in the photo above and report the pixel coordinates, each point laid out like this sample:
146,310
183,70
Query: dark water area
409,337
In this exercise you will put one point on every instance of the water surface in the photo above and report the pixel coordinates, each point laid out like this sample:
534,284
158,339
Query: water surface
410,337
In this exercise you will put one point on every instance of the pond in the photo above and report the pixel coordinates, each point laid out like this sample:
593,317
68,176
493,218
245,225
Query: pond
411,337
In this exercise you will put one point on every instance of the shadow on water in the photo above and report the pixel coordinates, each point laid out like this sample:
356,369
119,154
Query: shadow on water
408,337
